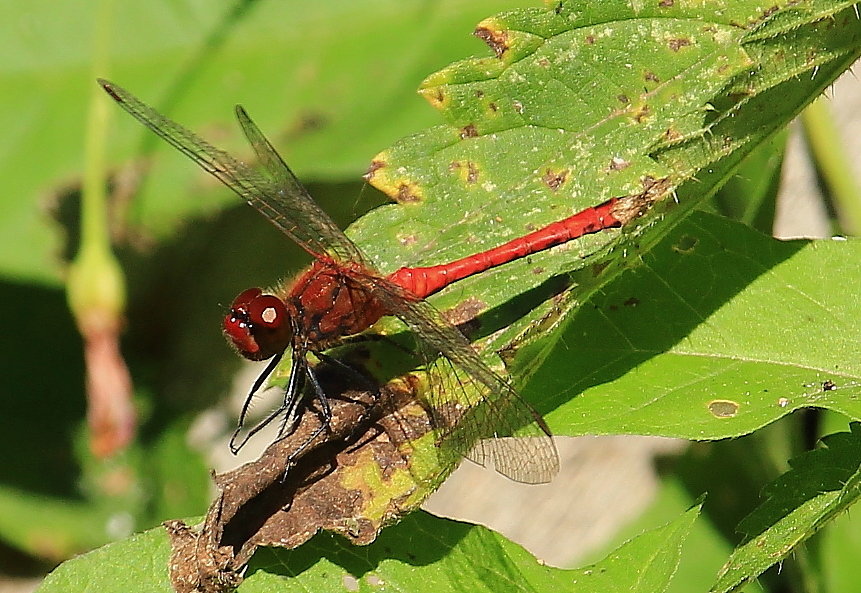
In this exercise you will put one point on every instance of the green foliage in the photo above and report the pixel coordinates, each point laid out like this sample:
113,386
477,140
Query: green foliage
821,484
421,553
666,372
684,324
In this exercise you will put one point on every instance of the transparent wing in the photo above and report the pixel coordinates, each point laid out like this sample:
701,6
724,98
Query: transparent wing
484,426
292,206
281,199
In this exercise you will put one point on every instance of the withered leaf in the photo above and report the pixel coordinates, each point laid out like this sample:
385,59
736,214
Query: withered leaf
374,462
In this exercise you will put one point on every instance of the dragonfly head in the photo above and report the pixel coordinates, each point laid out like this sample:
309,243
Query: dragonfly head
258,325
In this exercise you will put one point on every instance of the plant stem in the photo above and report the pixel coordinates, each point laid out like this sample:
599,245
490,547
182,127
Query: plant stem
823,138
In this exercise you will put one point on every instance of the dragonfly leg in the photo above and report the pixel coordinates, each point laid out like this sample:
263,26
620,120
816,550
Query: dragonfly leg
365,337
369,384
291,405
348,369
292,393
325,417
325,407
258,382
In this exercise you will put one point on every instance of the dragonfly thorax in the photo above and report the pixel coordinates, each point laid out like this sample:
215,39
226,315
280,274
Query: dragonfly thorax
258,325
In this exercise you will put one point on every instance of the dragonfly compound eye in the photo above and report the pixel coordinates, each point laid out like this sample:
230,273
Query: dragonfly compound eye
267,311
258,325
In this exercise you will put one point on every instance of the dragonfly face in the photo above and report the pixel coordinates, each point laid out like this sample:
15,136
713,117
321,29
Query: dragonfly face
258,325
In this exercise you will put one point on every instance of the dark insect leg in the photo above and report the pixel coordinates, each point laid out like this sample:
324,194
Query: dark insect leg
292,402
348,369
355,374
360,338
292,394
325,408
326,418
258,382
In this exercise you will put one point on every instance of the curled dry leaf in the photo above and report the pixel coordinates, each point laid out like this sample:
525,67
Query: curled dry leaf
348,479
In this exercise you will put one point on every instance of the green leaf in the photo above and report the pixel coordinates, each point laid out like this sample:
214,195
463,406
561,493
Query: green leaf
603,100
422,553
591,102
715,332
138,563
822,484
838,554
750,195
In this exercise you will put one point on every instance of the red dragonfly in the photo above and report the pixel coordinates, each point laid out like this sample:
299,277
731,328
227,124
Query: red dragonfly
341,294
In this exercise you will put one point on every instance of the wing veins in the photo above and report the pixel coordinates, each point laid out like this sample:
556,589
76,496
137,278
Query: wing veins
532,459
317,235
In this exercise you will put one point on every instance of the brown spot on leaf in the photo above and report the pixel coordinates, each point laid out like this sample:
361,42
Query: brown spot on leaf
623,99
468,131
471,172
375,166
723,408
590,39
666,3
770,11
642,113
466,311
632,302
678,43
544,62
437,98
407,240
628,208
407,193
495,39
468,171
651,76
555,179
672,134
479,93
492,106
